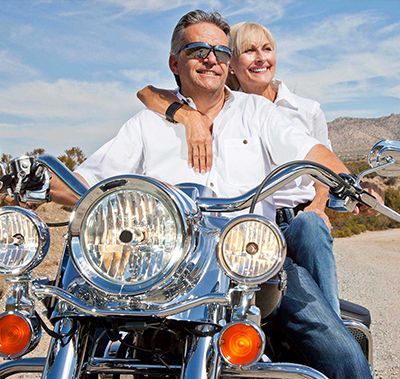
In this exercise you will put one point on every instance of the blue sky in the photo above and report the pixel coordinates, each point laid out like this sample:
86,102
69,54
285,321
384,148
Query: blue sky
69,70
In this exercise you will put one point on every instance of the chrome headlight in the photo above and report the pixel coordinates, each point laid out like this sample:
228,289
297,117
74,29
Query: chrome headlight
251,249
24,240
132,236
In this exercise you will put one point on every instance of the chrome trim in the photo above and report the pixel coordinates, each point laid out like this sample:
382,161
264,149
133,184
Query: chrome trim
267,275
281,178
275,371
253,325
65,355
44,240
185,213
373,203
60,294
367,332
126,366
372,170
384,156
35,329
28,365
200,359
64,173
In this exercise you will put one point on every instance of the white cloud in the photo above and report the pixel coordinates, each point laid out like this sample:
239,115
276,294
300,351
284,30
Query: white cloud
354,112
11,65
138,6
266,11
57,115
393,91
67,100
340,59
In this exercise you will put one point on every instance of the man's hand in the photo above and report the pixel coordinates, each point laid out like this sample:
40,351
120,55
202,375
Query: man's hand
319,203
375,191
199,141
320,212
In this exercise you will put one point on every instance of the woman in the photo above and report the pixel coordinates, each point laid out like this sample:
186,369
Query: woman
252,70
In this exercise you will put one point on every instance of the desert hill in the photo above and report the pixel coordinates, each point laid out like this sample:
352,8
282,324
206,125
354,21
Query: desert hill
352,138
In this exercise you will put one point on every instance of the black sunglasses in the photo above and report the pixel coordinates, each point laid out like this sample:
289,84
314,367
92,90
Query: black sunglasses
201,50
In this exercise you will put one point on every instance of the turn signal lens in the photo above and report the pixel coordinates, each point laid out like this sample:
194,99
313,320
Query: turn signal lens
15,334
241,344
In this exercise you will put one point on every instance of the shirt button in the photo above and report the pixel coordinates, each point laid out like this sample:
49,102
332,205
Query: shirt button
211,184
245,141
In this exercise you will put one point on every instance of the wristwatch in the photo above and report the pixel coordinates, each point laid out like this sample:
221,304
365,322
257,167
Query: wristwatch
172,109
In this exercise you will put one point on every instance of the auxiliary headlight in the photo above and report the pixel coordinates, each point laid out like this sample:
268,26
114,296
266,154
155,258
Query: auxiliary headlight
251,249
24,240
132,236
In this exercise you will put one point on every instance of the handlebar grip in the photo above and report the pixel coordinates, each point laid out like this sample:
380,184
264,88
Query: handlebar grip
5,182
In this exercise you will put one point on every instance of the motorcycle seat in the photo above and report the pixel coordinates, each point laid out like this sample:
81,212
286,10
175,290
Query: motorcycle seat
352,311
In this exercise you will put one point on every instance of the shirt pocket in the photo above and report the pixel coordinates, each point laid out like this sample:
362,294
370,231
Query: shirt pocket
243,162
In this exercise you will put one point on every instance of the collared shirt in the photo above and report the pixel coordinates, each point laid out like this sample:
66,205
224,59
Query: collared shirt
250,135
308,114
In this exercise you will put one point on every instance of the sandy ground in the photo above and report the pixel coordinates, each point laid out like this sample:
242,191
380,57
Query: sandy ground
368,267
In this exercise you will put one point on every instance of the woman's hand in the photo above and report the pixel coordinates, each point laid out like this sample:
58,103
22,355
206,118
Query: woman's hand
199,141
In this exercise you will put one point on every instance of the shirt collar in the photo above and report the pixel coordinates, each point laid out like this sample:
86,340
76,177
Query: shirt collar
229,97
284,95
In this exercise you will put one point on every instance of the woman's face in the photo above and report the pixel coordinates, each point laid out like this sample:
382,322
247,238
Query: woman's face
255,67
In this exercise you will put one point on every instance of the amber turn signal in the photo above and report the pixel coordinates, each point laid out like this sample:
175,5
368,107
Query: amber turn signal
15,334
241,343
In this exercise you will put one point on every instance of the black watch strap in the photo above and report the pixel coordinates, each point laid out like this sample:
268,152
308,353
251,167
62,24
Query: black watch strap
171,110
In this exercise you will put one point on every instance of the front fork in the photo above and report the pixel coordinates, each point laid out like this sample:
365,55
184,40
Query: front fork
201,359
66,355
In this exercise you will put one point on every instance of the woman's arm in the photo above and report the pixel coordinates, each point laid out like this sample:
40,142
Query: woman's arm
197,125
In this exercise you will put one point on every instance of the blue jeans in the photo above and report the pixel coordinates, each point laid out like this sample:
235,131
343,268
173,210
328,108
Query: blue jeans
315,333
309,244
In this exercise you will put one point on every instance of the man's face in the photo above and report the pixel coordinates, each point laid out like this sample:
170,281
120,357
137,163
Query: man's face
196,74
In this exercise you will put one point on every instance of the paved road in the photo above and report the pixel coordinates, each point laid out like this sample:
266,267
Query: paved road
368,270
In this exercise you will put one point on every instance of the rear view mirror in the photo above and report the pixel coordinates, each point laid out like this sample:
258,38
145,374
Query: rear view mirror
384,157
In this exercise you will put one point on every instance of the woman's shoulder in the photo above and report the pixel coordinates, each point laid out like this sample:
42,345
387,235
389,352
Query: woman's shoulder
303,104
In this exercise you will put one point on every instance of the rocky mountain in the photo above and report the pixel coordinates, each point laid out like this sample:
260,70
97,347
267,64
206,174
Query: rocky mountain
352,138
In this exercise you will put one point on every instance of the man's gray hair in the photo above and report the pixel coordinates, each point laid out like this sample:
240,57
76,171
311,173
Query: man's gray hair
191,18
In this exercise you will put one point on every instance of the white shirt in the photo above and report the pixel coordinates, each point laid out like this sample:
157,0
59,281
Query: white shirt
250,135
308,114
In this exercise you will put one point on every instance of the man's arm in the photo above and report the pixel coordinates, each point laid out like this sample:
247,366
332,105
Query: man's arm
318,204
61,194
197,125
321,154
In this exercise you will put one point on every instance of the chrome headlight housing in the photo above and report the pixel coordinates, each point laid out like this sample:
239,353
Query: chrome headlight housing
251,249
133,234
24,240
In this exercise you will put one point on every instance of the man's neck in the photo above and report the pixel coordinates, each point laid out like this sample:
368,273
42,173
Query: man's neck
208,103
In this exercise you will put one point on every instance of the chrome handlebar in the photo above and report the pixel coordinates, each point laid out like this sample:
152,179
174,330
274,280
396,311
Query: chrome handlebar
281,177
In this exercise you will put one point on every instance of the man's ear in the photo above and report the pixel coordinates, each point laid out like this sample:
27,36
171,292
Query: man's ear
173,64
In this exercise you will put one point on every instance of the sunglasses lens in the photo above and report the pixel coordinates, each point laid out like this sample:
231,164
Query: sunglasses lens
201,51
197,52
222,56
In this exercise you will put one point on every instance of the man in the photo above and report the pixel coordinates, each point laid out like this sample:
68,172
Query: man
246,129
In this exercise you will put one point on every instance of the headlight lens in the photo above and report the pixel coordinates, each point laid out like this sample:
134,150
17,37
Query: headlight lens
131,238
24,240
251,249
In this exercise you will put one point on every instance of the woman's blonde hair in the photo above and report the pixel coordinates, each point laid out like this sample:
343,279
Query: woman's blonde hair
243,36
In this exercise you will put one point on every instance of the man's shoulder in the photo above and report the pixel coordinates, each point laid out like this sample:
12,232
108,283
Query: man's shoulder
145,114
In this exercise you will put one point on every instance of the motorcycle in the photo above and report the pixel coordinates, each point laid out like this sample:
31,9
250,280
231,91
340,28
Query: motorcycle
154,280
